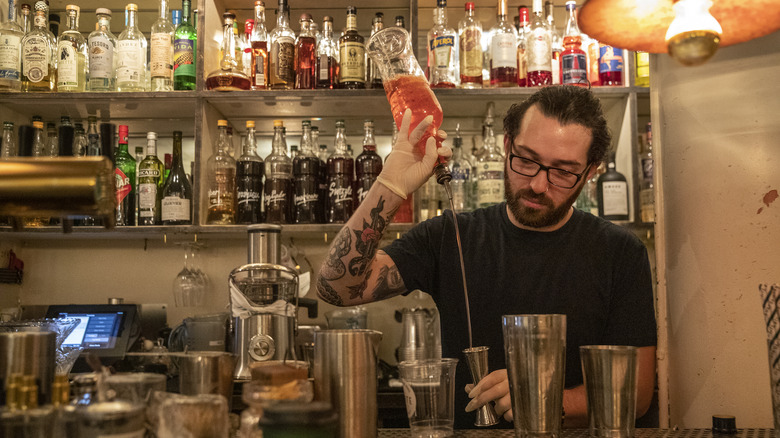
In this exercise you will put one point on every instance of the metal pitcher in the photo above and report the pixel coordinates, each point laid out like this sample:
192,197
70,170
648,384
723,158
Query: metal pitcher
345,375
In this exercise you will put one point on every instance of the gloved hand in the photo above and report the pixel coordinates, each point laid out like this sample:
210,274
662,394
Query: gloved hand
403,171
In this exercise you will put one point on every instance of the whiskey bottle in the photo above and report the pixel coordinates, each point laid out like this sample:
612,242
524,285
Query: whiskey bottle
161,51
281,67
539,49
352,54
150,180
131,47
306,56
39,49
612,194
228,76
72,63
340,179
278,189
443,47
574,63
470,53
221,174
503,50
176,203
102,47
249,180
259,42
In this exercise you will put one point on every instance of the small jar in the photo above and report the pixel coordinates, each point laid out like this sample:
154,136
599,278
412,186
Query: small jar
299,420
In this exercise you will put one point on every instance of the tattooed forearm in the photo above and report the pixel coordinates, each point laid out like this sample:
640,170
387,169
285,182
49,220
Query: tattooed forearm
389,283
367,240
334,268
326,292
357,290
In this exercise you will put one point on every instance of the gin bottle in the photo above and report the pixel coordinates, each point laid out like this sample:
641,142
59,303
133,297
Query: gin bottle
161,51
102,50
72,63
613,194
470,53
184,50
278,189
39,48
176,203
249,181
490,171
131,54
443,59
282,58
11,35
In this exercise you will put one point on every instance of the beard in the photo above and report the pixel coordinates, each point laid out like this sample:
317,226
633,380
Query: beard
548,215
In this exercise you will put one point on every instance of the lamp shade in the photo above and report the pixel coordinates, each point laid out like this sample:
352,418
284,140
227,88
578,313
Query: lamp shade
641,25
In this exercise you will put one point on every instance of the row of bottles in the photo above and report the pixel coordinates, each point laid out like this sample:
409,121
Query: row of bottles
35,60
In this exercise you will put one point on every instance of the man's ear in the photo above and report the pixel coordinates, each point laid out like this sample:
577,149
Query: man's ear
507,145
594,167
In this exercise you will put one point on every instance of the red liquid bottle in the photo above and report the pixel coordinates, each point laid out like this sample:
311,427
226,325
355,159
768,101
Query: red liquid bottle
306,56
306,174
610,65
522,45
259,42
327,64
368,164
340,180
503,50
413,92
574,63
539,50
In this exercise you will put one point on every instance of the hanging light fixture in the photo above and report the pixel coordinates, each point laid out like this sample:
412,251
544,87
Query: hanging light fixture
689,30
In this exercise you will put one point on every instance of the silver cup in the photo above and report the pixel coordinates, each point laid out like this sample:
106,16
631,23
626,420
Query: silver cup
206,372
535,347
610,373
477,359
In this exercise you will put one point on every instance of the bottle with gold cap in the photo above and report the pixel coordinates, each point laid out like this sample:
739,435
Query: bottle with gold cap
131,54
221,175
249,180
72,59
278,189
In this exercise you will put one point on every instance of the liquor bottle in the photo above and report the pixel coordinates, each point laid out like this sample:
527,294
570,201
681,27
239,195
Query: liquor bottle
161,51
613,194
139,156
54,20
503,50
184,50
460,168
66,132
11,34
249,181
642,78
556,42
26,16
523,34
400,21
587,201
443,46
228,76
39,139
89,146
610,65
230,147
490,171
79,140
281,67
9,148
373,74
94,148
646,190
327,61
52,141
39,49
278,189
259,42
238,48
322,179
470,53
293,151
352,54
306,176
539,49
340,179
306,56
102,49
131,47
368,165
150,180
72,55
246,47
176,198
168,164
574,63
221,174
125,180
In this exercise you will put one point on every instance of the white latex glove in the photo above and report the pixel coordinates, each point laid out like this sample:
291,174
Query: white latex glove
403,171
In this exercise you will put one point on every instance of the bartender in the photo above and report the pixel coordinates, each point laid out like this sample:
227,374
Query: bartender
533,253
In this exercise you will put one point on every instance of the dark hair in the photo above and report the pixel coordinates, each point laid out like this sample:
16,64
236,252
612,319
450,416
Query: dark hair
567,104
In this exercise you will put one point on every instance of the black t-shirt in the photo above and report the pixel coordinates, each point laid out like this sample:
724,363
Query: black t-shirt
594,272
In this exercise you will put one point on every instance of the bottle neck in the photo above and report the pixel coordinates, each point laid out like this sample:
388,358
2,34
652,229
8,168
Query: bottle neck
222,141
250,145
164,9
176,162
440,16
228,46
283,20
279,145
12,11
341,141
327,30
368,138
306,143
351,23
131,20
151,148
185,12
104,22
259,17
40,21
73,21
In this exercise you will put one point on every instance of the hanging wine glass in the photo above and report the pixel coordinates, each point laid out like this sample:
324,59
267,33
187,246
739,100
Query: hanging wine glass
201,277
187,292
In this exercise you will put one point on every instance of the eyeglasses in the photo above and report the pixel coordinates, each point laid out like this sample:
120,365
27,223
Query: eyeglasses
557,177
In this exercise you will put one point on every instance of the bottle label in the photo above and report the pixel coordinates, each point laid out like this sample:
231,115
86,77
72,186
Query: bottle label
149,173
123,185
490,191
306,198
36,55
338,195
283,59
441,50
175,209
247,196
471,52
461,173
147,199
222,190
161,56
67,65
503,50
610,59
353,62
642,65
101,57
574,68
259,72
324,69
647,169
131,56
615,198
10,59
275,198
183,57
539,50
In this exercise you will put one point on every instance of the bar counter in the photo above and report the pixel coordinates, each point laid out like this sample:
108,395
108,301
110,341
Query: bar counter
583,433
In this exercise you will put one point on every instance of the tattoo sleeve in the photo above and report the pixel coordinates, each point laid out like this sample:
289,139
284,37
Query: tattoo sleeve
389,283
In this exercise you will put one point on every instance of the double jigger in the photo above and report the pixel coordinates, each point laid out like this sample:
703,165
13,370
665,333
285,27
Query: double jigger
477,358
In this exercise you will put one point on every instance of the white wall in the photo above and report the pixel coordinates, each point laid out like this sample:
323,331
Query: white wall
717,129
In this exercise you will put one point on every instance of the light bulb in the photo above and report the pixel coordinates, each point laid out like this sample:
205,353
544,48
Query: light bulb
694,34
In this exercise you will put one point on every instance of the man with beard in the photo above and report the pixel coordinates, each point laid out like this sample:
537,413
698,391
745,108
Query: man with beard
534,254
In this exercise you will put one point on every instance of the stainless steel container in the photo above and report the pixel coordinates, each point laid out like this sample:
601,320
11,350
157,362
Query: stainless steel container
345,376
264,245
29,353
259,338
206,372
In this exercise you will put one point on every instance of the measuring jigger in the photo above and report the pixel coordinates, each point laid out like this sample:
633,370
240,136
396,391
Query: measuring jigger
477,358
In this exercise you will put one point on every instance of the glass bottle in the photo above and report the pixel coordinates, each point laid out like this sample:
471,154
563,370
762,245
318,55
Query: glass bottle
238,48
52,141
221,175
54,20
168,164
460,168
39,140
72,63
161,51
400,21
646,191
322,179
125,181
327,61
26,23
259,43
613,194
94,148
278,189
503,50
443,58
539,49
556,43
306,174
340,179
249,180
102,49
490,171
11,34
281,67
246,47
610,65
306,56
373,76
66,132
229,75
522,46
470,53
184,50
368,164
139,156
9,147
176,198
150,180
79,140
39,48
574,63
352,54
131,47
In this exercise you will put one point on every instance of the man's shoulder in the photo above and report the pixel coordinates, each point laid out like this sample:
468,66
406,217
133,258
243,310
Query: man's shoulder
590,226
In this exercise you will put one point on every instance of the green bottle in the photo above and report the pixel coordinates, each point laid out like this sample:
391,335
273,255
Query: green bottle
150,182
125,181
184,51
